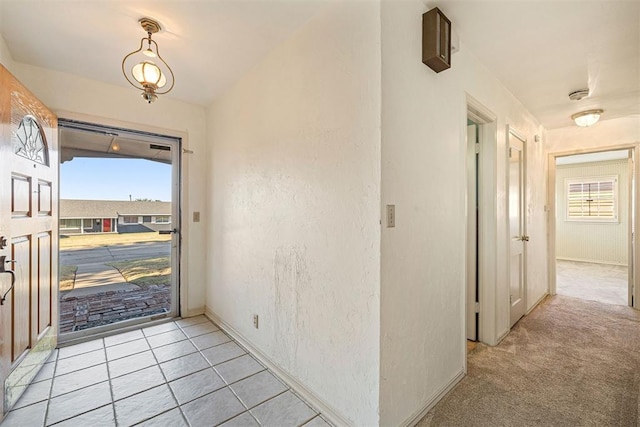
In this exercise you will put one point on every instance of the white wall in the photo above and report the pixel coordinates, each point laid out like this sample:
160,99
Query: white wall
602,242
294,208
5,56
67,93
423,174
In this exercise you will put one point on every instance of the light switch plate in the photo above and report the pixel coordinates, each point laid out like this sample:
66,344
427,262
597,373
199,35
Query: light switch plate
391,216
196,217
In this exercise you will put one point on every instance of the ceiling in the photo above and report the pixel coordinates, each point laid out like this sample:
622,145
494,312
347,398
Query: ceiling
208,44
541,50
108,143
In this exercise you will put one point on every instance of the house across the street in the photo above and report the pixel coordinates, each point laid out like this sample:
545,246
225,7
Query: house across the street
113,216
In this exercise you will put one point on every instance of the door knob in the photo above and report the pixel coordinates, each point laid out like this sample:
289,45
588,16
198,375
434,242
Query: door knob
525,238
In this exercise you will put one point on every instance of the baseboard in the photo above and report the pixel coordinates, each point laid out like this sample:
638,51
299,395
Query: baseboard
502,335
542,298
590,261
320,405
417,416
193,312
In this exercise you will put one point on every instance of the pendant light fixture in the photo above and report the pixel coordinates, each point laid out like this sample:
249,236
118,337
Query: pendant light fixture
145,69
587,118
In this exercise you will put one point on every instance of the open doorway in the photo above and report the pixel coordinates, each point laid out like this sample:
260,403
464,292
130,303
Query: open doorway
594,219
480,139
473,212
119,221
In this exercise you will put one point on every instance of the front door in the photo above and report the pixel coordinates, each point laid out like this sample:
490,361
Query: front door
28,237
517,234
106,225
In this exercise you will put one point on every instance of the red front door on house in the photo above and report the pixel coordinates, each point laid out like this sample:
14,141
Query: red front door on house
106,225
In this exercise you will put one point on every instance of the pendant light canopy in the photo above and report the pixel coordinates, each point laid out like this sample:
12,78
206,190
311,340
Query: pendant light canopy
145,69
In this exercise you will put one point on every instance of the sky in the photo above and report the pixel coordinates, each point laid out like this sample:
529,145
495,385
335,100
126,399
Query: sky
115,179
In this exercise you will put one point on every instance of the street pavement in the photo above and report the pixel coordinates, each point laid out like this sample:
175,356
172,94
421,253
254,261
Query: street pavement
102,254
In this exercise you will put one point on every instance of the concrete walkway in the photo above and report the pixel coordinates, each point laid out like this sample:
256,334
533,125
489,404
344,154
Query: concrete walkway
97,277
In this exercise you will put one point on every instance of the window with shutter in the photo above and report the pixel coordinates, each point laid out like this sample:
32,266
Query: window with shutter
592,199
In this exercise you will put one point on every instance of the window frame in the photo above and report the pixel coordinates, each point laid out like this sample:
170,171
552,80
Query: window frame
614,179
125,217
66,226
168,221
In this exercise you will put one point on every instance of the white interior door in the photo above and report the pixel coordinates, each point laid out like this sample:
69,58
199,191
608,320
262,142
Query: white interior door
517,232
472,231
28,237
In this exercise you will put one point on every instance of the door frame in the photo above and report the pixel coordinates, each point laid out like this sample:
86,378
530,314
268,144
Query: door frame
472,210
511,132
487,244
634,203
178,174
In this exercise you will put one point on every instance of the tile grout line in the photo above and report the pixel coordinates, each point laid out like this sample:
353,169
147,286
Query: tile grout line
53,376
212,366
266,369
113,402
265,401
228,385
166,382
84,412
274,375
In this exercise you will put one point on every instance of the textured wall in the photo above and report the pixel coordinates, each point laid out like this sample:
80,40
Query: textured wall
604,242
295,196
424,175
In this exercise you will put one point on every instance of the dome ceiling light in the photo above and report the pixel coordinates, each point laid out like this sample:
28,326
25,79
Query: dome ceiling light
145,69
587,118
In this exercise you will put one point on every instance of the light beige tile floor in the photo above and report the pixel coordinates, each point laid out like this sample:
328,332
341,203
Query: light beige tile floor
594,282
182,373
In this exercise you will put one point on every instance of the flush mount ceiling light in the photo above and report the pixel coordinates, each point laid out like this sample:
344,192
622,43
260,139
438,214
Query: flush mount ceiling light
145,69
587,118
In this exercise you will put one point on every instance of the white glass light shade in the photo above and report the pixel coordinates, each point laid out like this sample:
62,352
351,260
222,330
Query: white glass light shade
145,69
147,73
587,118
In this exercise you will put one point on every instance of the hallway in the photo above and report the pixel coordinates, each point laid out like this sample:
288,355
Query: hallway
180,373
569,363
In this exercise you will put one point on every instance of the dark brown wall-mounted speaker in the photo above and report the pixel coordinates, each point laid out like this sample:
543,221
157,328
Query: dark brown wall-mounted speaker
436,40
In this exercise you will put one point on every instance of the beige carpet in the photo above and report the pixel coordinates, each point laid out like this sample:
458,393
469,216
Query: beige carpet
591,281
569,363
